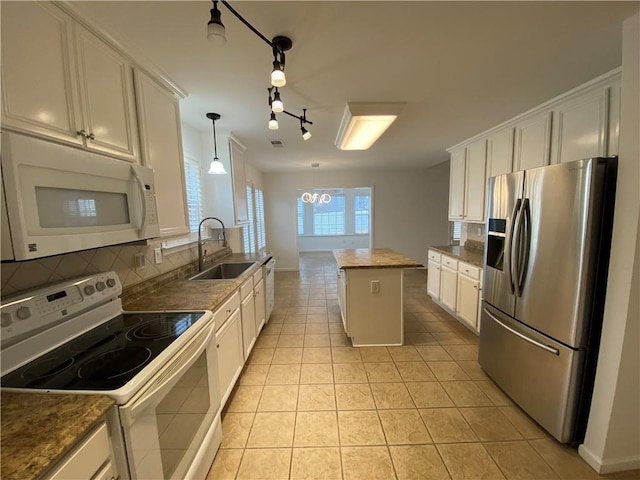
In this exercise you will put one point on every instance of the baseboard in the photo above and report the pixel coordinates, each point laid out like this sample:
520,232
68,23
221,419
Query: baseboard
285,269
608,466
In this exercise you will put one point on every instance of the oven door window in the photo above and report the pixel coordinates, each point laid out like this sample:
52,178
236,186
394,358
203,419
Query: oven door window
164,431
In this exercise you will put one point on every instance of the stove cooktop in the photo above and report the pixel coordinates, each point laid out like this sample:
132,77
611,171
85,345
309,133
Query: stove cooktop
106,357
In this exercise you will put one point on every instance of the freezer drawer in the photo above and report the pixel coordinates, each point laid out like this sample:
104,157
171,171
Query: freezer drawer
539,374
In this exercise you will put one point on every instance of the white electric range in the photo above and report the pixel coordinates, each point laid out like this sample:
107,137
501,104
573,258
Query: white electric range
160,368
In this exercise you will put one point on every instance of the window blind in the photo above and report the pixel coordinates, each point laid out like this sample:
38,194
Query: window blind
261,237
193,185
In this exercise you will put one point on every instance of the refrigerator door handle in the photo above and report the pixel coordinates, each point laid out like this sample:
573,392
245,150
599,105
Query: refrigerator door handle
544,347
515,245
523,251
509,252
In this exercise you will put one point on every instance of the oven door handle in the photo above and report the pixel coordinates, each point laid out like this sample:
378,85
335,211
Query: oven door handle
167,378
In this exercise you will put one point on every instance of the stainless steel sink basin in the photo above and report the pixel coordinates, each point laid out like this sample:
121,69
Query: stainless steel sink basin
222,271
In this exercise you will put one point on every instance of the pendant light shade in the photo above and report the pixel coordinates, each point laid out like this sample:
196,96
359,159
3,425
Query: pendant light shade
216,167
216,33
306,134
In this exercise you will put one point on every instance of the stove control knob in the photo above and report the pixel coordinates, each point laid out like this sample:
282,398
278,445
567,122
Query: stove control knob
89,290
100,286
6,320
111,282
23,313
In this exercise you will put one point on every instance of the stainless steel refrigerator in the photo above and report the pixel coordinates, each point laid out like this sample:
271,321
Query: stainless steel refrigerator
547,246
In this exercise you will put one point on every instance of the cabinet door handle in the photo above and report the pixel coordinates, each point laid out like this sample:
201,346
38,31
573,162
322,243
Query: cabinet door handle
91,136
82,133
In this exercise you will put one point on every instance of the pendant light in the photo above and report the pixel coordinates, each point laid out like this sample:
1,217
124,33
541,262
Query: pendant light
216,167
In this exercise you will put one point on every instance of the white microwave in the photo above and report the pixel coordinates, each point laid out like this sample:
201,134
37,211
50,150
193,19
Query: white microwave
58,199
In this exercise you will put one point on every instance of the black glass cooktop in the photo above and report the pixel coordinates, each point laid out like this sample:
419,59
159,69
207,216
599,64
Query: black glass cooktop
106,357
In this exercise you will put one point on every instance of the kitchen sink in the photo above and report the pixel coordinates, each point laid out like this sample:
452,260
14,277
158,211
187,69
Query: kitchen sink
223,271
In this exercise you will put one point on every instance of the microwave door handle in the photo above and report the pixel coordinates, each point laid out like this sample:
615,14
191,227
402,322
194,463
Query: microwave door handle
143,198
166,378
509,242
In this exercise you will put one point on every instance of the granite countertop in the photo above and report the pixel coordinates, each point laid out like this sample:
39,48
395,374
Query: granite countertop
38,429
373,258
474,256
183,294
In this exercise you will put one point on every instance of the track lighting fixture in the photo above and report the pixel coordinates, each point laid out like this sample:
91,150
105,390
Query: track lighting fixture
279,45
215,28
273,122
216,167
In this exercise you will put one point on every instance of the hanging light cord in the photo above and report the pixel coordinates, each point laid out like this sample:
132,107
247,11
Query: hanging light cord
215,142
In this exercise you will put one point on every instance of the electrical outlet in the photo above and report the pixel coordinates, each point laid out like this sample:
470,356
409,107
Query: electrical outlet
375,286
157,252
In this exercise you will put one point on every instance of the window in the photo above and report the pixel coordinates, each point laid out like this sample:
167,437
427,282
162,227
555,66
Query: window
261,235
456,230
254,232
361,214
194,192
334,212
328,218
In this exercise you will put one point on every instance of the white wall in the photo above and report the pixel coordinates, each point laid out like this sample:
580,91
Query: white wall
319,243
409,208
612,442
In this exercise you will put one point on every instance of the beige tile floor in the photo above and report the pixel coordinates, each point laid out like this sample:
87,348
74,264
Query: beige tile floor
308,405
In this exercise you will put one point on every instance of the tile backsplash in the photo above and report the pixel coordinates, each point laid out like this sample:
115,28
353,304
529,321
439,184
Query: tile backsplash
18,276
472,231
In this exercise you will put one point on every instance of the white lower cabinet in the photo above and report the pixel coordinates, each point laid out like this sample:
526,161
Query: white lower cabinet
230,354
456,286
467,300
448,287
260,306
247,309
91,458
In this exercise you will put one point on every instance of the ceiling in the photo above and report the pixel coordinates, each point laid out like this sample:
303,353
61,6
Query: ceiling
461,67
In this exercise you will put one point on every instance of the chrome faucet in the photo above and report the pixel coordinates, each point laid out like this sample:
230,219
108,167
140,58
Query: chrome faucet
201,242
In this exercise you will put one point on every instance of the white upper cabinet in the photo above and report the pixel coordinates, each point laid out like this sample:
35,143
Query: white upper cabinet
62,82
580,127
467,182
38,71
239,181
532,141
456,184
106,89
500,152
160,132
474,181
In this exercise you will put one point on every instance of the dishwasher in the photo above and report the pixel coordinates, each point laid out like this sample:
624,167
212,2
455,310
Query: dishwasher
268,271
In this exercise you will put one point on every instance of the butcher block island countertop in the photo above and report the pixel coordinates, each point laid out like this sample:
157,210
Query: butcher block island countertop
370,294
38,429
373,258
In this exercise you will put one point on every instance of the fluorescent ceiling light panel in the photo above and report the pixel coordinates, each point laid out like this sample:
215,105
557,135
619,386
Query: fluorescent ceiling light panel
363,123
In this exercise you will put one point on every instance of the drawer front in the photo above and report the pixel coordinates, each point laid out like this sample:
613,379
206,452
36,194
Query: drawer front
246,288
469,270
227,308
86,460
450,262
434,256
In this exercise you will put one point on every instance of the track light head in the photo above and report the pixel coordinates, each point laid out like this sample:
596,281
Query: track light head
306,134
277,75
273,122
276,104
216,33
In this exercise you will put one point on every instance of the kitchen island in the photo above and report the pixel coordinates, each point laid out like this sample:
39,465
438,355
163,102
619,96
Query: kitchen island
370,294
